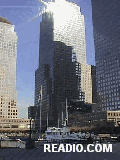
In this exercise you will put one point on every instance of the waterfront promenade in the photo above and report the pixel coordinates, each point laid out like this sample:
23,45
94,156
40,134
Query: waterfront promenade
38,154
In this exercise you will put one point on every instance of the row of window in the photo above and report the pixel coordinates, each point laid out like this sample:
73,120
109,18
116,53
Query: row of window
21,126
113,114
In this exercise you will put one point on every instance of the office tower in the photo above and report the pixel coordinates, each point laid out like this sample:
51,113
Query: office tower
94,87
86,81
63,71
8,53
31,112
106,27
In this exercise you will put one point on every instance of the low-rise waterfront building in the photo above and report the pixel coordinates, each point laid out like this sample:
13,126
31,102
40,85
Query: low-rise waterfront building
15,125
94,119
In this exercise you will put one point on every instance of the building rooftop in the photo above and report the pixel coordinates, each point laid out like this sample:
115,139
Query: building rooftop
4,20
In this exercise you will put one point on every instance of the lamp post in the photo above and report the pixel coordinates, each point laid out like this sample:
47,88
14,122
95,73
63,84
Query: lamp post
29,142
30,127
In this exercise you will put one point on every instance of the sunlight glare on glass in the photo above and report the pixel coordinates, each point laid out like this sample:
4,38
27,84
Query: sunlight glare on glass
62,10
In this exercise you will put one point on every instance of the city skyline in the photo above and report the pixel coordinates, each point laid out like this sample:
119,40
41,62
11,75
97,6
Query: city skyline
27,62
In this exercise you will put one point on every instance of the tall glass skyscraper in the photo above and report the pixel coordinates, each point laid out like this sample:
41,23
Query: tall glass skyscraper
106,26
63,71
8,50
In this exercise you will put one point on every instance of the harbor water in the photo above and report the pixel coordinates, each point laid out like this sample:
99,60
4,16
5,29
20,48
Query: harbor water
39,154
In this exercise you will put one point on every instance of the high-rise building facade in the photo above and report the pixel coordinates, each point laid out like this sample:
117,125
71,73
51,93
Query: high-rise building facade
106,27
94,87
31,112
63,71
8,50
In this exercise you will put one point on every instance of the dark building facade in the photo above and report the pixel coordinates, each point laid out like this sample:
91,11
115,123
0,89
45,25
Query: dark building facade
106,27
79,107
58,74
94,87
32,112
63,71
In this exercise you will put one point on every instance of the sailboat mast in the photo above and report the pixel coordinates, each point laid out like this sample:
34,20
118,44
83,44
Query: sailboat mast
62,113
58,122
40,106
66,112
47,120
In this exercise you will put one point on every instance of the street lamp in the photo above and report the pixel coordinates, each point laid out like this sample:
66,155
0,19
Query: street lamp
30,127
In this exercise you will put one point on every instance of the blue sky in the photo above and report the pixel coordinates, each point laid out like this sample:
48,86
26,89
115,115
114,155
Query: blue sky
19,13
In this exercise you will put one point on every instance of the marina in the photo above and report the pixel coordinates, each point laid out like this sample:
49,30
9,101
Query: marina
67,139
